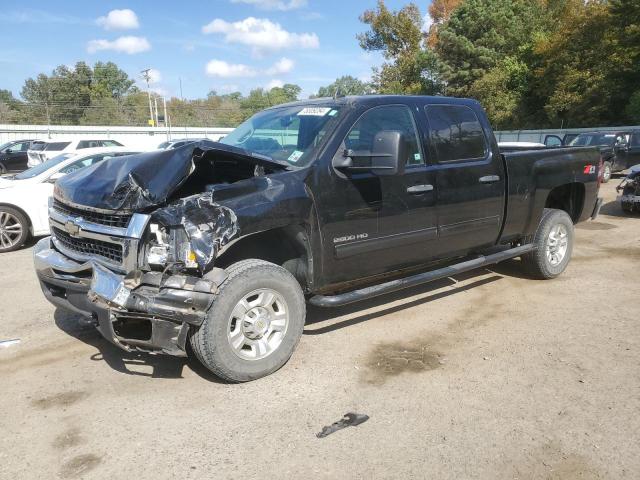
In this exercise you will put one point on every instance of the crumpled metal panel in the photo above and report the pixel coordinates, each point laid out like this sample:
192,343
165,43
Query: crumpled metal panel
209,226
138,182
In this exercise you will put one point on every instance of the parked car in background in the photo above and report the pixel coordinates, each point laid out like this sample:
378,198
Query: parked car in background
13,156
42,151
178,142
619,150
630,188
553,140
24,197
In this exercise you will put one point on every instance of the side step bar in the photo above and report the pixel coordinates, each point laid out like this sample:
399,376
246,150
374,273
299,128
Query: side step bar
420,278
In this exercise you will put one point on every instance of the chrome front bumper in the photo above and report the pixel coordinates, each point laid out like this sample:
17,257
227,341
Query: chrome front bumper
165,307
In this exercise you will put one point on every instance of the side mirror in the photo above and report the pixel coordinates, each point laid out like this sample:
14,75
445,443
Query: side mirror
8,150
55,176
387,157
389,153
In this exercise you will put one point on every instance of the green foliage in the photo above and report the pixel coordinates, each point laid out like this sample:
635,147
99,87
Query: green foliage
409,68
531,63
633,108
345,85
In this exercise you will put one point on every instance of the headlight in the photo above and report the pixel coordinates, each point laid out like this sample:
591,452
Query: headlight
169,246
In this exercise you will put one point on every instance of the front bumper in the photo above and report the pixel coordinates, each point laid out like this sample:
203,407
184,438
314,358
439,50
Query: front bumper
149,311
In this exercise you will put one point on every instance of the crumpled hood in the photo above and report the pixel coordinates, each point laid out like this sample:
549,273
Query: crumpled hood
138,182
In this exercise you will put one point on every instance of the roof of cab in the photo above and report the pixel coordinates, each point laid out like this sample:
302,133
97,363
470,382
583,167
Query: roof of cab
374,100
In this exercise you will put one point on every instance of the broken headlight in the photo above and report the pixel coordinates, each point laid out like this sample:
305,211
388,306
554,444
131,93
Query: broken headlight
169,246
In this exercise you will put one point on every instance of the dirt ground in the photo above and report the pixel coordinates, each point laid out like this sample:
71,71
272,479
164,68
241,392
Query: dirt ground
490,376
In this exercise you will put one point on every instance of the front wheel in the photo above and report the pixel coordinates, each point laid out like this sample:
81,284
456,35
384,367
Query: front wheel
255,323
14,229
554,244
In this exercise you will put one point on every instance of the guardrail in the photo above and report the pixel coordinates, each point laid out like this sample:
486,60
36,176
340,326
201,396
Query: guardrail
139,137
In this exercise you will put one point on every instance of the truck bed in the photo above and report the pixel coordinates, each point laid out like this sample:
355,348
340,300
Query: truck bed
533,174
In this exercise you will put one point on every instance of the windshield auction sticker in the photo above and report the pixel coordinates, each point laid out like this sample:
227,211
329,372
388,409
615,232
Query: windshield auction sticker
314,111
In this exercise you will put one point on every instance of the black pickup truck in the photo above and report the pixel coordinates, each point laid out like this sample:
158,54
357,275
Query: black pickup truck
328,201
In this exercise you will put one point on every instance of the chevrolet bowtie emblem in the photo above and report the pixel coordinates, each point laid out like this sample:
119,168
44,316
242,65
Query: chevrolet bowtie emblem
71,228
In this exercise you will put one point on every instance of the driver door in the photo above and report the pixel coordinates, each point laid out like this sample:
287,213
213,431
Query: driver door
379,223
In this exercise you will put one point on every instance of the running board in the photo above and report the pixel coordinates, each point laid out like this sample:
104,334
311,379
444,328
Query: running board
412,281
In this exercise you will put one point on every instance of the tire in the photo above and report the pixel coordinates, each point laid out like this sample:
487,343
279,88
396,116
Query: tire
554,234
3,169
14,229
259,328
606,172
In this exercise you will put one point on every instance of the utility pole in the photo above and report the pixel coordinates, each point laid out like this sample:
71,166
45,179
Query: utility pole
166,121
147,77
155,102
181,97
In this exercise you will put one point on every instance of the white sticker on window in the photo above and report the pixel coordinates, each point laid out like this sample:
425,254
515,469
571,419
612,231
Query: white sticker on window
417,156
314,111
295,156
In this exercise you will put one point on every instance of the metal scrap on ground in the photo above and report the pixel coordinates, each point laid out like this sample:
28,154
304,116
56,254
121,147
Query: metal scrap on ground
349,420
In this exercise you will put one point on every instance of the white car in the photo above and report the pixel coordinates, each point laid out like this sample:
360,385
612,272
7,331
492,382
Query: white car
24,198
42,150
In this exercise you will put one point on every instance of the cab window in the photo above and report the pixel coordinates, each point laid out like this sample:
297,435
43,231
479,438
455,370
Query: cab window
455,133
378,119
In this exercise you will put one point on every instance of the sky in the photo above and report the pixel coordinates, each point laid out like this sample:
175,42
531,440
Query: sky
221,45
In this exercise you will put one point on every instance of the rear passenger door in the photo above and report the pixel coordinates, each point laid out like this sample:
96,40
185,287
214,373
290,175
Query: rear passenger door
469,180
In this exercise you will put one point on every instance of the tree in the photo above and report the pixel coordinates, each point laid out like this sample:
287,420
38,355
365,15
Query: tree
398,35
481,33
574,65
345,85
439,11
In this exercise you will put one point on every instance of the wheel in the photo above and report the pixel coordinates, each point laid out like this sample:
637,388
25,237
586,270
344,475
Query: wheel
255,322
3,169
554,244
606,172
14,229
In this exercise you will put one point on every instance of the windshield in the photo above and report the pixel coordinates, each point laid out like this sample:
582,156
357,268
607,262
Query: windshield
288,134
587,139
43,167
5,145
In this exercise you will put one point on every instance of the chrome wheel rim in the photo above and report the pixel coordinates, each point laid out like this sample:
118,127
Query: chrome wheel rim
258,324
557,244
10,230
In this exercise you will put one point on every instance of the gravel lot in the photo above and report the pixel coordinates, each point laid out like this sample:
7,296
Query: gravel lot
490,376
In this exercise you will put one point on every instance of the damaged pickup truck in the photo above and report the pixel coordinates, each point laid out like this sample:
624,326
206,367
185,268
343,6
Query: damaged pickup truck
329,201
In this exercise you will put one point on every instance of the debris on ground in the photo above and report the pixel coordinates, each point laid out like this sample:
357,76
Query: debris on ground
349,420
9,343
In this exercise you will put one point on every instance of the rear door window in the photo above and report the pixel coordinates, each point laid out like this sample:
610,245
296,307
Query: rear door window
455,133
56,146
111,143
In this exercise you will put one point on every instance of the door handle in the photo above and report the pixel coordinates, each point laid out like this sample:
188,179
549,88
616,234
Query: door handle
489,179
419,189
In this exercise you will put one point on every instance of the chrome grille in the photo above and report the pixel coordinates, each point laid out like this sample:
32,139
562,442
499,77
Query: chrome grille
108,219
89,246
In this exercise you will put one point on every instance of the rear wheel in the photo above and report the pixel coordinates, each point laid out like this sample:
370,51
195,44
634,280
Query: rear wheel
554,245
14,229
3,169
606,172
255,322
